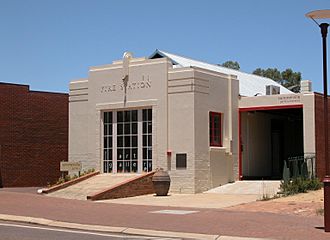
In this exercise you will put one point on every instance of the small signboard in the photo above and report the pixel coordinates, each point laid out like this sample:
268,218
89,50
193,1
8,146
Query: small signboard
70,166
289,99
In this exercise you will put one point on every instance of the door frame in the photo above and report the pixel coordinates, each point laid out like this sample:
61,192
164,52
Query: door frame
256,108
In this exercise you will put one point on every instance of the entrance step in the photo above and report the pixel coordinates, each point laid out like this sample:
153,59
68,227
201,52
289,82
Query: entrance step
92,185
261,188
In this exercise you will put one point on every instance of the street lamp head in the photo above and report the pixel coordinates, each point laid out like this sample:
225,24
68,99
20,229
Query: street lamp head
319,14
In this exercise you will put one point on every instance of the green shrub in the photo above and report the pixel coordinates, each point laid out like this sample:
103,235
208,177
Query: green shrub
314,184
87,172
68,177
299,185
59,181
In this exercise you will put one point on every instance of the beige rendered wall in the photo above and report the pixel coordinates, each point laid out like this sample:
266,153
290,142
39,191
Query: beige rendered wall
256,155
78,123
308,101
104,91
235,129
223,93
181,132
182,89
147,87
221,166
193,93
271,100
181,99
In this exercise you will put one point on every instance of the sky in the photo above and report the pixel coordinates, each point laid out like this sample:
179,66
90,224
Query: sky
48,43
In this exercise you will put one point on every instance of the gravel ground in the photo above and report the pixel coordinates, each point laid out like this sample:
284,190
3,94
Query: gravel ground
304,204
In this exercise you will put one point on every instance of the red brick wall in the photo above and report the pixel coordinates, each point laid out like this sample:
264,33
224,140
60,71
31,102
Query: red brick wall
33,135
319,132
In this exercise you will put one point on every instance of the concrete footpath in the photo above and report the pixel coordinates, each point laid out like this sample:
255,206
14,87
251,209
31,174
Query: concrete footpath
193,223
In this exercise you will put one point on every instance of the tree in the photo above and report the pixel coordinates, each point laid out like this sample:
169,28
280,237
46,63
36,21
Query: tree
231,64
291,80
272,73
287,78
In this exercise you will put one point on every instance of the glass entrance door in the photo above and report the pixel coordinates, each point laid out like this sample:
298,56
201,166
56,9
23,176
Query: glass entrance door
127,141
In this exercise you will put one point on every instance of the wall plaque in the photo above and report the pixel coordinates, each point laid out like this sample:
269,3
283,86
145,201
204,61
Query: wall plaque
70,166
289,99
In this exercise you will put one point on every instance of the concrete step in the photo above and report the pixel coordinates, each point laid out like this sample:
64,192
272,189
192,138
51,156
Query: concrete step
262,188
92,185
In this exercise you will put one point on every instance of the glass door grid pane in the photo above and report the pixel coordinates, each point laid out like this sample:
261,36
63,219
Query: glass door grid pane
127,141
107,142
147,140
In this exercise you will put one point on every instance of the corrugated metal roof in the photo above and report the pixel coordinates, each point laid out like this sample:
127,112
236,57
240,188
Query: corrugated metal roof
249,84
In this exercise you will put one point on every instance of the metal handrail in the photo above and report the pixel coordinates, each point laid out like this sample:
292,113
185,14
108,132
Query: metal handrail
295,164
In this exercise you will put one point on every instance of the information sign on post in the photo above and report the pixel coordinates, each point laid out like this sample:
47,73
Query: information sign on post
70,166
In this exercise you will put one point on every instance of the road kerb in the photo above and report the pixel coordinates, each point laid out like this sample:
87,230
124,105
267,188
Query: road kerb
88,227
100,228
240,238
14,218
156,233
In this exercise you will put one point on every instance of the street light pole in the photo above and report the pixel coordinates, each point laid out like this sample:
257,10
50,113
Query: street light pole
326,181
324,32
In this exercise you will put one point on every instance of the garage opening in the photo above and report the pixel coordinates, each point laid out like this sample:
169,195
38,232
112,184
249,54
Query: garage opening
268,138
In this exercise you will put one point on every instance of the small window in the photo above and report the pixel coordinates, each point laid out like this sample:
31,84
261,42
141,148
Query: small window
215,129
181,160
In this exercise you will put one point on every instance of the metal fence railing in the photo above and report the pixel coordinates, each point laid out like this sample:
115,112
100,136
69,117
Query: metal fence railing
302,165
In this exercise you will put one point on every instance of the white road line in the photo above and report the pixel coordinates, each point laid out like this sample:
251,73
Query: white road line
175,212
72,231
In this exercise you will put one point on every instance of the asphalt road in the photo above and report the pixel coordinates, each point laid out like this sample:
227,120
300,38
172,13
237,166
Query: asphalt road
18,231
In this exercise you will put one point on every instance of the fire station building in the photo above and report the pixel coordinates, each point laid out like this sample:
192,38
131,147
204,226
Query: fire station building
205,124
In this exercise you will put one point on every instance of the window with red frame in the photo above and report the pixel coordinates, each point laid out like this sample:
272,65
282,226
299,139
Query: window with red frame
215,129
